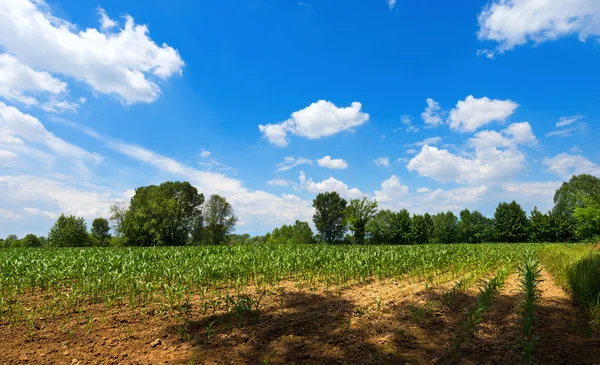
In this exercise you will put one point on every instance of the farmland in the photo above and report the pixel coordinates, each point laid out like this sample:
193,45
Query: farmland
487,303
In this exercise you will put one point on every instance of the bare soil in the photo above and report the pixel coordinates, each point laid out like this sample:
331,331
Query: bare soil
381,322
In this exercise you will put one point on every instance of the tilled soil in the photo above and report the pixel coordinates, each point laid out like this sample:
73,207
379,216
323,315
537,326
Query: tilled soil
381,322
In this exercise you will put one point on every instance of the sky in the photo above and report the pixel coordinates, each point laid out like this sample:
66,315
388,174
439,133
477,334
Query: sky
424,105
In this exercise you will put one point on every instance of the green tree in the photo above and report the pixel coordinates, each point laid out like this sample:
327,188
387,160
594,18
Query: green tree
100,233
302,233
389,228
541,228
12,240
510,223
169,214
358,213
587,217
31,240
219,220
418,230
330,217
474,227
445,228
68,232
574,193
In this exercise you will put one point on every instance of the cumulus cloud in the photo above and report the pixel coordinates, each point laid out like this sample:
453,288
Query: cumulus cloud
335,164
330,184
382,161
21,83
290,162
566,165
515,134
472,113
125,63
205,153
427,141
317,120
431,116
423,190
511,23
486,164
391,191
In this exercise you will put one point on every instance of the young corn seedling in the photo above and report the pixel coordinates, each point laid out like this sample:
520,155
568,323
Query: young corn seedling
529,272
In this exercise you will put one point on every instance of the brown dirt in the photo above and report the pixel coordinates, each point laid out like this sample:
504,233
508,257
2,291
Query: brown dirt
381,322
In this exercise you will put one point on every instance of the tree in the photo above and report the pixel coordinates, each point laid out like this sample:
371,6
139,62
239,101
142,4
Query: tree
358,214
302,233
118,211
219,219
169,214
511,223
587,217
573,193
68,232
418,230
540,227
100,235
11,240
474,227
31,240
445,228
381,228
329,217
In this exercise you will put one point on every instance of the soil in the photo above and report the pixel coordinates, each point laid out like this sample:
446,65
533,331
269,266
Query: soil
379,322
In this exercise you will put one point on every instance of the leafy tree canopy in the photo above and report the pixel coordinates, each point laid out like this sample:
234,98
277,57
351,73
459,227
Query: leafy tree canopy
330,217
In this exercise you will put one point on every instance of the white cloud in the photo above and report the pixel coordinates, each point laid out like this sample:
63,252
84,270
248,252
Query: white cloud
317,120
105,22
330,184
391,4
7,155
205,153
125,63
407,122
427,141
19,82
431,116
569,126
566,165
512,23
279,182
16,126
515,134
391,191
486,164
472,113
382,161
411,151
336,163
9,215
290,162
43,213
423,190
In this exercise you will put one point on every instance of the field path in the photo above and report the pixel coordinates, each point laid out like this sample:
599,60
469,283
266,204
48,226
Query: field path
563,330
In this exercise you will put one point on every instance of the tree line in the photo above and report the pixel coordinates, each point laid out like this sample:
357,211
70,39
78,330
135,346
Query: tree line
176,214
575,217
169,214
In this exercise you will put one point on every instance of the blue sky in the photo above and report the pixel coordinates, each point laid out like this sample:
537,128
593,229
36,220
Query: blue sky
422,105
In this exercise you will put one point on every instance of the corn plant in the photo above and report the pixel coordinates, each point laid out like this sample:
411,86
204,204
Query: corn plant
529,272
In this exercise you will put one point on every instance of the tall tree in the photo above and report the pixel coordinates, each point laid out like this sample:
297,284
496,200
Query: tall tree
418,230
68,232
219,219
540,227
11,240
100,233
389,228
511,224
445,228
330,217
573,193
474,227
169,214
358,214
587,217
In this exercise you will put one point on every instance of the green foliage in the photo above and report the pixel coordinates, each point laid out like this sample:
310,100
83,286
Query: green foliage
330,217
587,217
299,233
418,230
572,194
99,235
219,220
445,228
474,227
68,232
358,213
510,223
169,214
388,227
31,240
11,241
541,228
529,272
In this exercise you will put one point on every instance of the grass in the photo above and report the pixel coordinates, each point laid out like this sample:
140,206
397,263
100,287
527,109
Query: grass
577,269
